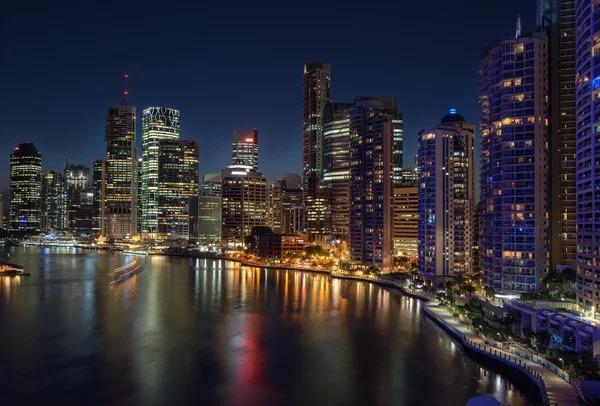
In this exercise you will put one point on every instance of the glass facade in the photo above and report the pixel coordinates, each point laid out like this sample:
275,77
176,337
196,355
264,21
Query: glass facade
158,123
25,188
245,148
54,202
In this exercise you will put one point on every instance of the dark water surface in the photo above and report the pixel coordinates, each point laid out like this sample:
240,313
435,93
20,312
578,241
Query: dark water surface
187,331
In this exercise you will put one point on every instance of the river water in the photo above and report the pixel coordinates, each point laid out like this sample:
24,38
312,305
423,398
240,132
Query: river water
192,331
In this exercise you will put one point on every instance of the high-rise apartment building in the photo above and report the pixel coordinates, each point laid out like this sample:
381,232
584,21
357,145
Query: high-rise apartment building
406,222
158,123
274,205
446,198
317,94
178,182
54,197
558,20
1,211
25,188
587,86
209,219
98,182
372,181
514,170
245,148
120,188
243,203
336,166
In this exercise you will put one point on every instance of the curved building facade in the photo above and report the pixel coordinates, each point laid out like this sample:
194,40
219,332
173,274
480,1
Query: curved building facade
513,171
25,188
588,153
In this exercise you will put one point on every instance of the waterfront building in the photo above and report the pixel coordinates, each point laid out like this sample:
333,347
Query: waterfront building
139,194
119,212
84,216
211,184
588,155
406,222
245,148
77,181
284,195
446,198
291,204
25,188
54,202
372,181
98,181
558,21
209,219
317,94
336,166
178,182
514,170
274,205
158,123
243,203
270,245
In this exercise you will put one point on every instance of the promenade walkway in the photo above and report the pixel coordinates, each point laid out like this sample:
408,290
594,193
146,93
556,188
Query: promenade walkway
558,391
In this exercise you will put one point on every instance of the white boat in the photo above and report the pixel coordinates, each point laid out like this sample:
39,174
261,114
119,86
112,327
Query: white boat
135,252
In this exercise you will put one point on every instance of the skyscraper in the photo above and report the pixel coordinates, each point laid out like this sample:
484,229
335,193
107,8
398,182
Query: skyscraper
54,202
25,188
1,211
98,182
559,22
317,94
120,187
513,174
178,182
274,205
336,165
284,195
158,123
372,181
588,156
209,219
446,198
406,222
211,184
245,148
244,203
77,181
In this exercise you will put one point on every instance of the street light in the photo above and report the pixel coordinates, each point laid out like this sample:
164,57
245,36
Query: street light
563,362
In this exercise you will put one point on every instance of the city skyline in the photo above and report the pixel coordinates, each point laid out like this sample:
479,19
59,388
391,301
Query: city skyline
274,110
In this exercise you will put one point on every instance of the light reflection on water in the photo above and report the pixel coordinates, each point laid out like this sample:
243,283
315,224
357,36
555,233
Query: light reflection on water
211,332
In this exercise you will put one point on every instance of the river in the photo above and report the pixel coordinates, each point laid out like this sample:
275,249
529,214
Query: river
194,331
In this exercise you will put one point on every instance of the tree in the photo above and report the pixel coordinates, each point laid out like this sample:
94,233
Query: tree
373,270
489,291
560,283
542,340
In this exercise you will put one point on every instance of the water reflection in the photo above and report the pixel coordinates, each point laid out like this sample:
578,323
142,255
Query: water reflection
212,332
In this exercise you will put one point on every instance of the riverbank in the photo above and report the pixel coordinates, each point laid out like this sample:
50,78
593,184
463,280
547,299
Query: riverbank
553,389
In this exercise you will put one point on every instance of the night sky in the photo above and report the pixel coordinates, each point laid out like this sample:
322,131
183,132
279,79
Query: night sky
229,66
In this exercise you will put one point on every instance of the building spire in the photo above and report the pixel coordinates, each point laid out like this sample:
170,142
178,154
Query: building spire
518,33
126,92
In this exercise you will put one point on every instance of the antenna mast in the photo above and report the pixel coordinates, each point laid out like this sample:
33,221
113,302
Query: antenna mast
126,92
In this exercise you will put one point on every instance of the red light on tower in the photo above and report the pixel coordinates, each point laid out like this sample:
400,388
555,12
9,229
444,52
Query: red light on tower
249,139
126,76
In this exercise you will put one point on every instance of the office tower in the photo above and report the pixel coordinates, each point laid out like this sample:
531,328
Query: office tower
25,188
558,21
372,181
158,123
84,217
98,181
409,176
406,222
284,194
291,203
178,182
54,202
77,181
274,205
317,94
209,220
120,188
244,203
588,156
513,171
446,198
245,148
336,165
211,184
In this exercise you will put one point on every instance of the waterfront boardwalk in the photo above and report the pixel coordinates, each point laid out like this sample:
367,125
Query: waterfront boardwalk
555,390
559,392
